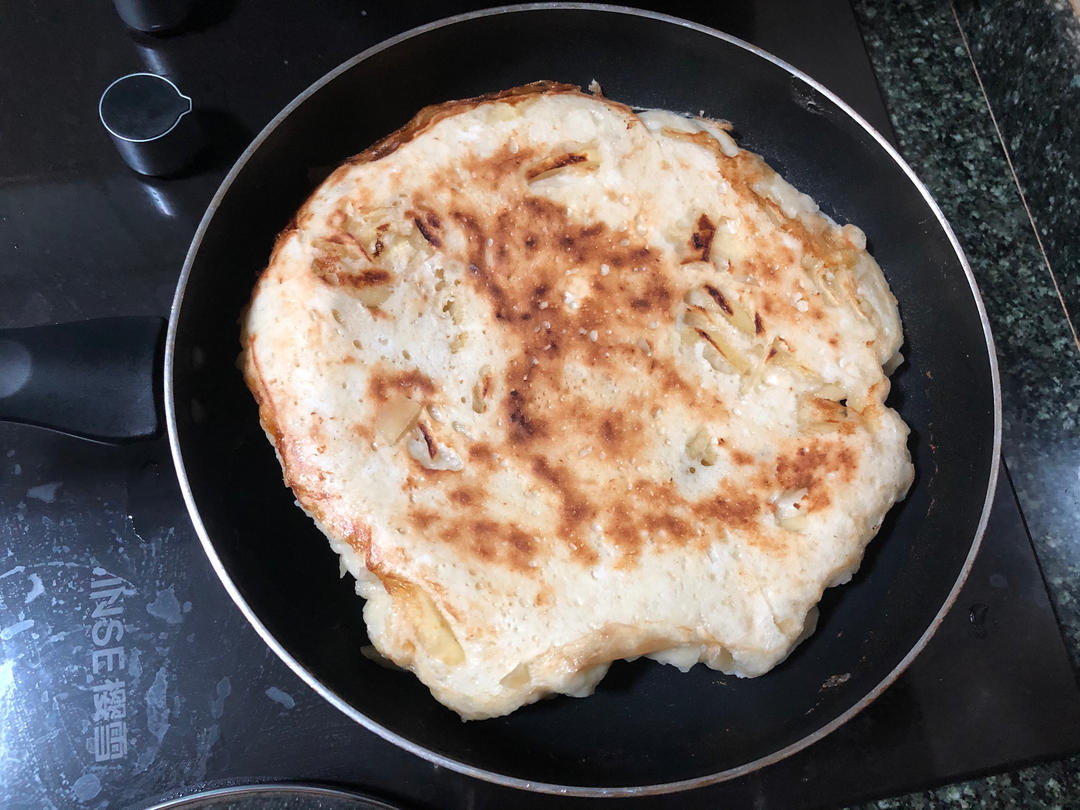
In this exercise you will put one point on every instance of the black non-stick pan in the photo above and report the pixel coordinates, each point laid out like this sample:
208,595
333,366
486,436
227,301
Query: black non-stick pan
648,728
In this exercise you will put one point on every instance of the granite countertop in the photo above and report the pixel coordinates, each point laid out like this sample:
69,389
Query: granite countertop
985,99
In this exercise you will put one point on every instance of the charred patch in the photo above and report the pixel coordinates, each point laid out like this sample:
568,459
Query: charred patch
427,230
522,427
719,298
701,333
428,440
702,237
553,163
329,271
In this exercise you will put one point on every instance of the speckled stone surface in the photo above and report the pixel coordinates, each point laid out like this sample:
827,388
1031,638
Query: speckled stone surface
1028,56
1041,787
946,133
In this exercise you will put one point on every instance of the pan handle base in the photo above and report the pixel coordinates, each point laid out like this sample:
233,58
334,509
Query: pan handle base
97,380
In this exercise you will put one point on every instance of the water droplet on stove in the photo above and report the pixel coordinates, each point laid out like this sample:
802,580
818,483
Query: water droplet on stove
977,614
153,502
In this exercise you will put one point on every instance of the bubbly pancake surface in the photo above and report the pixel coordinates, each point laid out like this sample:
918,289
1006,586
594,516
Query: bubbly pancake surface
564,383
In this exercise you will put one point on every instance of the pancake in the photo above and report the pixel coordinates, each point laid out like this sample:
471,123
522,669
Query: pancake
564,383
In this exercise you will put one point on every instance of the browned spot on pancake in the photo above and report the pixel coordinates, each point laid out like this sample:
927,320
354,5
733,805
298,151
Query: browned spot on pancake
412,383
622,530
731,509
485,537
608,432
477,261
808,467
575,508
359,538
450,534
768,305
465,523
658,514
422,519
520,547
674,527
672,382
463,496
759,327
482,543
741,458
482,454
489,540
622,432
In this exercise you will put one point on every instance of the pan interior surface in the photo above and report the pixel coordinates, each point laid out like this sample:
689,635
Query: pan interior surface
647,725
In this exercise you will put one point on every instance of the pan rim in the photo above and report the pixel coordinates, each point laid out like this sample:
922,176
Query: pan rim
419,750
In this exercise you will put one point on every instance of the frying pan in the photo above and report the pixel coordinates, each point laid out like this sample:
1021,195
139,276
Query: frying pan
648,728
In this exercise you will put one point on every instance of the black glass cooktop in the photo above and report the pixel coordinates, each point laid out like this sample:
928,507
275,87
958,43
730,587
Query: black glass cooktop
128,677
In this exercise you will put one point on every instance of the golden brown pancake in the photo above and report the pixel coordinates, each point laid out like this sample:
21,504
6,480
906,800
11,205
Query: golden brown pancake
563,383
